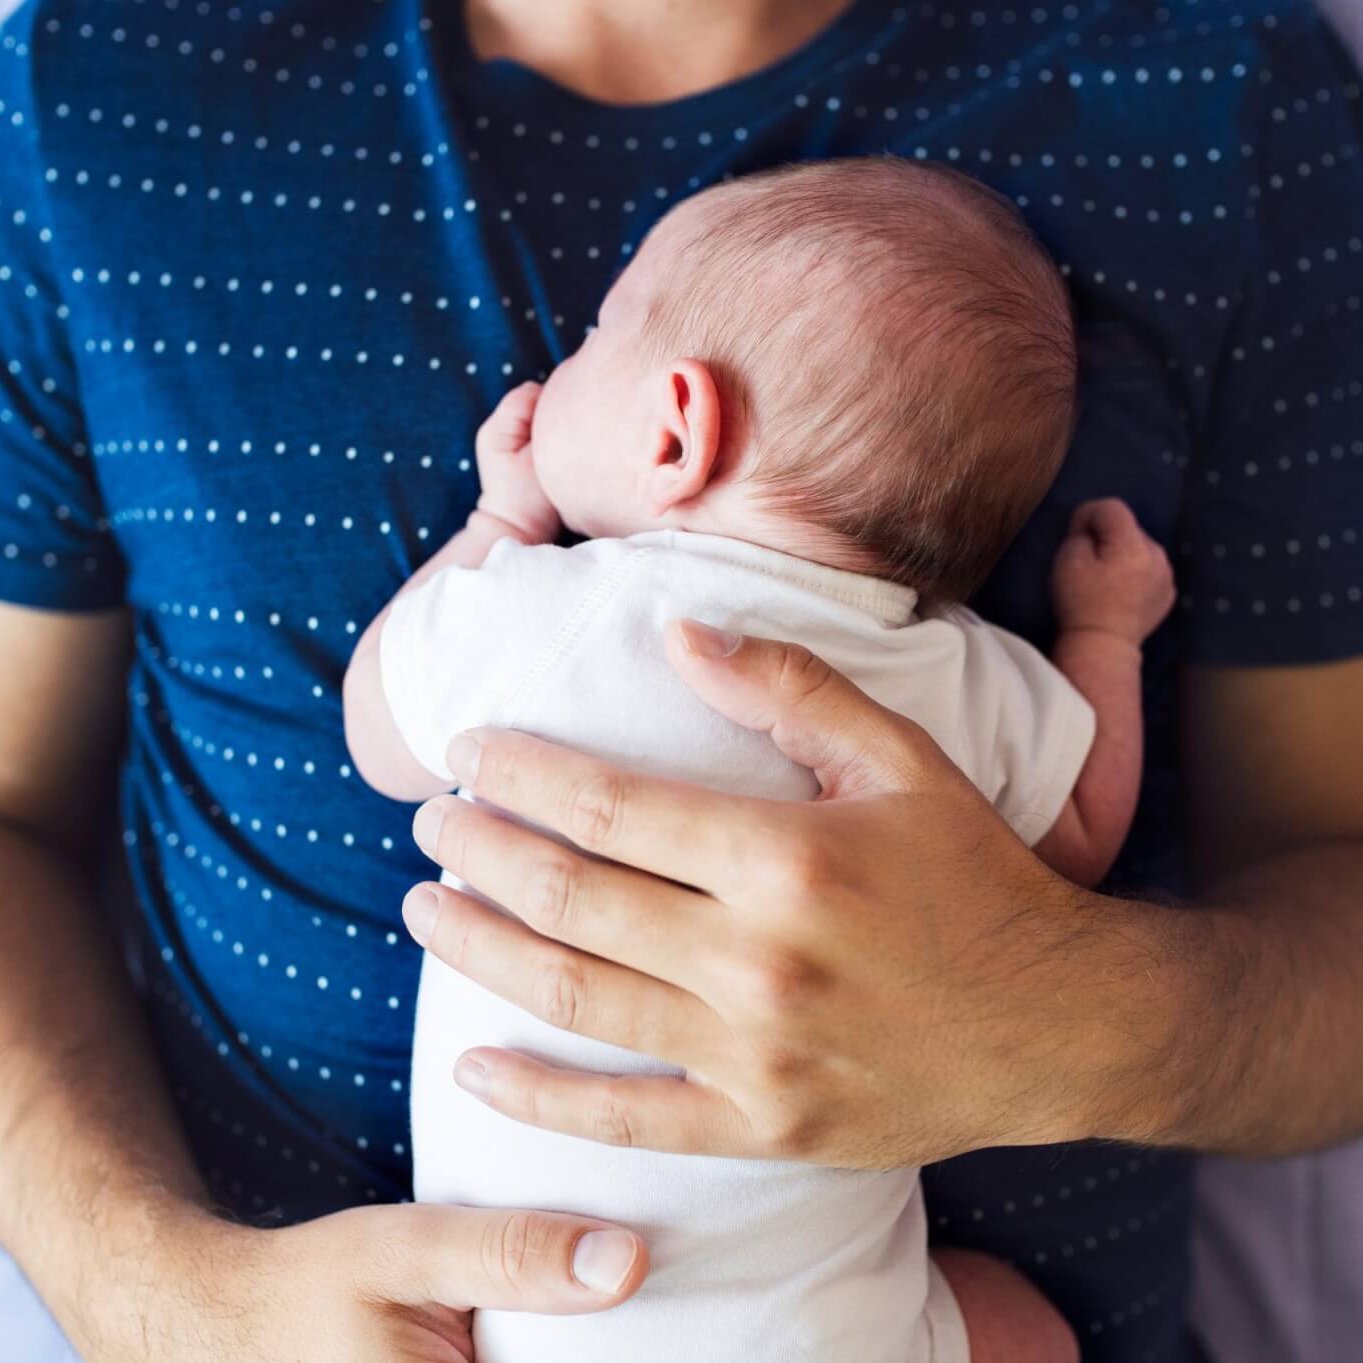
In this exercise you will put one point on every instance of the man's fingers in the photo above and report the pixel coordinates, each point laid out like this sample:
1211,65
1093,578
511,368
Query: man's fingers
646,1112
814,715
664,930
558,985
668,828
466,1257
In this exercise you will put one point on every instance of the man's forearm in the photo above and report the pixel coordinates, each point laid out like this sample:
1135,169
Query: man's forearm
1262,986
95,1179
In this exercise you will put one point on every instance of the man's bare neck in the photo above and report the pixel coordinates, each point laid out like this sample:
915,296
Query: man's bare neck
645,51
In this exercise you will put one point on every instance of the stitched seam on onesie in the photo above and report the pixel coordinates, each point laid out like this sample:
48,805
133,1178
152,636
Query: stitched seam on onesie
571,630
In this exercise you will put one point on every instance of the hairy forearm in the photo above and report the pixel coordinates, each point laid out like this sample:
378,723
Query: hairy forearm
1242,1037
95,1179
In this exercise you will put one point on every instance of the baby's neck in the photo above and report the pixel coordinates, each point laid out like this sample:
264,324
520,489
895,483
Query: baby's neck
737,518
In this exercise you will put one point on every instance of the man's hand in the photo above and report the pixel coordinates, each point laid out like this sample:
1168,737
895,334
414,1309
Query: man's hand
883,976
506,470
374,1283
1110,576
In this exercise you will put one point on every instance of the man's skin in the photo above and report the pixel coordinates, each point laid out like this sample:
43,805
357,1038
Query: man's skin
98,1197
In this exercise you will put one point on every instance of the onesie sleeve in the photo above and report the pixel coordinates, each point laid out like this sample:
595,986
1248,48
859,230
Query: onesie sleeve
471,645
1027,729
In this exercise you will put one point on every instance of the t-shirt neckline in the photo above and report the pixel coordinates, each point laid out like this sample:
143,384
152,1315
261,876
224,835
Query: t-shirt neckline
506,84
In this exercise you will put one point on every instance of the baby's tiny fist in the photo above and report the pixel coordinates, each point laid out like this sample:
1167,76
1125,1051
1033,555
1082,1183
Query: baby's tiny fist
507,430
511,488
1110,575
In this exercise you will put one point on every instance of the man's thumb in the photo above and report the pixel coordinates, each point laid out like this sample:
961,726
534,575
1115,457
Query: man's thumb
468,1257
814,715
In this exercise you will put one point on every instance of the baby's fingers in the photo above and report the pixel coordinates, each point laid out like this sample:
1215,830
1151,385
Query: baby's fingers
1077,555
507,430
1107,519
520,401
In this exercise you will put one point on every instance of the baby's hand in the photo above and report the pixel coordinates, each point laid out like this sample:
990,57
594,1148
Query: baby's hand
1109,575
511,489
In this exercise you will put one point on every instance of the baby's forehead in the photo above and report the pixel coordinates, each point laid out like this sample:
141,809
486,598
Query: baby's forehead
646,276
676,231
659,261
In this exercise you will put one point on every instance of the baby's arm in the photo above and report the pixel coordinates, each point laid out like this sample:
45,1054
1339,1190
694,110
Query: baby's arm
1112,586
512,506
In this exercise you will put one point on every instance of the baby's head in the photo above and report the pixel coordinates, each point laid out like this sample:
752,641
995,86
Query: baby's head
867,362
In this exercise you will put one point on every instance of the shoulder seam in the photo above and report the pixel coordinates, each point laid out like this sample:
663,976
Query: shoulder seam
603,587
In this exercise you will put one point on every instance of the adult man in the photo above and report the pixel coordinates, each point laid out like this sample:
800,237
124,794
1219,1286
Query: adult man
265,269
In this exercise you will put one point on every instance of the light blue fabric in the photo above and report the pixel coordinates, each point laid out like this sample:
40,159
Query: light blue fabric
27,1333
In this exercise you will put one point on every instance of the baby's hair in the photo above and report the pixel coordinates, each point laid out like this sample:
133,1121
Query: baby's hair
899,348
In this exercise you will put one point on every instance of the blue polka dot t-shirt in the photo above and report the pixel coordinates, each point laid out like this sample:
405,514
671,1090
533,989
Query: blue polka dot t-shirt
264,270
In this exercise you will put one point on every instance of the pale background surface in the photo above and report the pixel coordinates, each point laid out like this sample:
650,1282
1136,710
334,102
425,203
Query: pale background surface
1280,1247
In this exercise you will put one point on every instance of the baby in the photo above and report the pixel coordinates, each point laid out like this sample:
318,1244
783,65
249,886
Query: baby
817,406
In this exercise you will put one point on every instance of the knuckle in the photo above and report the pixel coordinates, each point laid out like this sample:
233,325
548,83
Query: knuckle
521,1098
454,936
500,774
557,995
807,870
800,673
610,1120
595,808
789,1125
511,1247
783,982
452,849
551,893
769,865
795,1135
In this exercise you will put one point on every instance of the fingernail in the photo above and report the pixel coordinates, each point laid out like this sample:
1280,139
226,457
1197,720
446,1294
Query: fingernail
462,758
602,1260
419,911
426,826
707,641
472,1077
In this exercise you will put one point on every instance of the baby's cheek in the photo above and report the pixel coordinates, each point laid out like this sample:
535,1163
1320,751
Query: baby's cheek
553,468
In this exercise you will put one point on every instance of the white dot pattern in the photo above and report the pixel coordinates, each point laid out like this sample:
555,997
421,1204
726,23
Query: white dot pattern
263,271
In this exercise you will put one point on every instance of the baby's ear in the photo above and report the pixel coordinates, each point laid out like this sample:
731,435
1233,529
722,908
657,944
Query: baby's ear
685,453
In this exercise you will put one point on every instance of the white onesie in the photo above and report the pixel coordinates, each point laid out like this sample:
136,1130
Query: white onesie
753,1261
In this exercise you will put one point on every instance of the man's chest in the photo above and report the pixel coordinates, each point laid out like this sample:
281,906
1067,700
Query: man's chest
290,315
